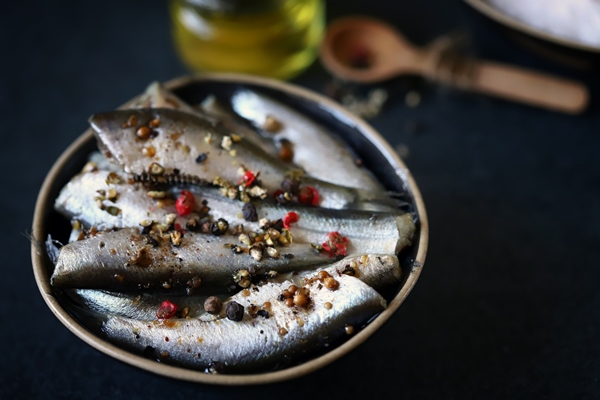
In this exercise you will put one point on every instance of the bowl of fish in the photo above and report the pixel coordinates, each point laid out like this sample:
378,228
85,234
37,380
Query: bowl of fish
227,229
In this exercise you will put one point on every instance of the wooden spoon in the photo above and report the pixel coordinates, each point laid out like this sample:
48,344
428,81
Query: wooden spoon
366,50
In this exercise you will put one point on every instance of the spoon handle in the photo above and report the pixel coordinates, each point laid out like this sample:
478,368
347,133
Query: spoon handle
530,87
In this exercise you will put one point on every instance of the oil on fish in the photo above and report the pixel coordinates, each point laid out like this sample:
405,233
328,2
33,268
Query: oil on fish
378,271
128,259
187,143
311,142
262,332
106,200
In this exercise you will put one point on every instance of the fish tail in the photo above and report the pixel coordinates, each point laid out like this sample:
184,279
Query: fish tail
50,248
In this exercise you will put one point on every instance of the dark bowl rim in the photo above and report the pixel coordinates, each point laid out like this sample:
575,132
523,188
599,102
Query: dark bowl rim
43,280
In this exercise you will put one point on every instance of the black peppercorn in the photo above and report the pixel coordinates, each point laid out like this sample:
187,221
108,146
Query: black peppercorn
263,313
219,227
201,158
277,225
193,224
151,241
193,284
234,311
249,212
290,185
349,270
280,198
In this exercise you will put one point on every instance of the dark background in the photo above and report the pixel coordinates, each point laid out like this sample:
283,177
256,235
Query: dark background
507,305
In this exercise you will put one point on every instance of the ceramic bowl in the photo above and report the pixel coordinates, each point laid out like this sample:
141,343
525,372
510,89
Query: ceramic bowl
370,146
562,50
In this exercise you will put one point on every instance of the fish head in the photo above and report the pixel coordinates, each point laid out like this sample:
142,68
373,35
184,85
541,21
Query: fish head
132,137
116,131
121,121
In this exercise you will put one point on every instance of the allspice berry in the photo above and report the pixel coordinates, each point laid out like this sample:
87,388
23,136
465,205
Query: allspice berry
331,283
272,124
143,132
301,300
213,305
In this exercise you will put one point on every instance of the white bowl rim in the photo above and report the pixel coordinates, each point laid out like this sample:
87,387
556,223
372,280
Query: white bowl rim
498,16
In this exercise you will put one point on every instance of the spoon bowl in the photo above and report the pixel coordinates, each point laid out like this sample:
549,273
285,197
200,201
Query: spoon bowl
367,50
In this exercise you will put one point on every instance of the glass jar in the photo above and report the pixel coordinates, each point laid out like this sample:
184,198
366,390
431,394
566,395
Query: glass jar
276,38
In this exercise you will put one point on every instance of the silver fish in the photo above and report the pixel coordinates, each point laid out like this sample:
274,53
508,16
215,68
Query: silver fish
103,199
377,271
312,143
84,198
366,231
231,122
141,306
260,340
97,161
180,138
156,96
129,260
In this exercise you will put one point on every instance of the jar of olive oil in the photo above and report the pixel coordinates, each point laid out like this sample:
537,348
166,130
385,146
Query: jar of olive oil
276,38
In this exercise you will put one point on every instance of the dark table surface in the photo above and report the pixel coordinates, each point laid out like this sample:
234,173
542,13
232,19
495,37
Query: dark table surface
508,303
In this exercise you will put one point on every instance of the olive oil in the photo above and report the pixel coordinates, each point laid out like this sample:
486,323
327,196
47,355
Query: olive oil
276,38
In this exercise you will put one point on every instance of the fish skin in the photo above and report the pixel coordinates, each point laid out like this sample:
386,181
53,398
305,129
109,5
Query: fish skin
181,138
254,343
121,260
156,96
377,271
366,231
311,141
231,121
97,161
140,306
76,200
